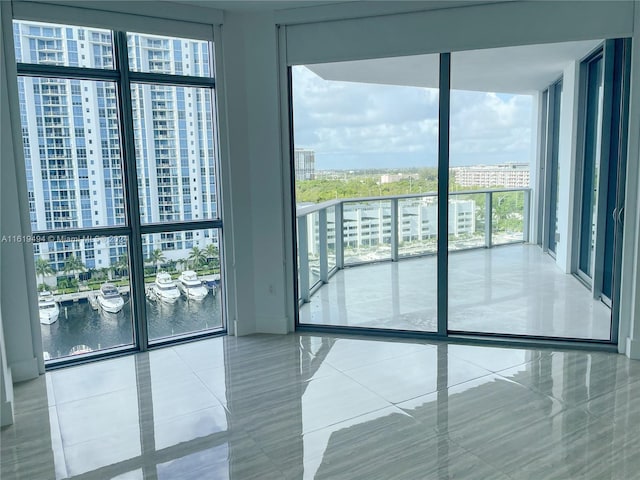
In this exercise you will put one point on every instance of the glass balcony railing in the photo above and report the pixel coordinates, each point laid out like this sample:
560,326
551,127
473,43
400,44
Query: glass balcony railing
348,232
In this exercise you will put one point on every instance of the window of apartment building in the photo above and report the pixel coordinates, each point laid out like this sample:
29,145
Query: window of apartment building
119,267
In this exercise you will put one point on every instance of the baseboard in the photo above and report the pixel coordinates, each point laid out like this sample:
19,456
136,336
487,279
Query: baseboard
633,349
274,325
6,406
6,413
25,370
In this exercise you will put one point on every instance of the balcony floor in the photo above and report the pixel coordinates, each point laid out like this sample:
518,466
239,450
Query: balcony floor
513,289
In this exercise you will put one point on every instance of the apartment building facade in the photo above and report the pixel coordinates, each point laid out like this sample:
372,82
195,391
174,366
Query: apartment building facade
73,146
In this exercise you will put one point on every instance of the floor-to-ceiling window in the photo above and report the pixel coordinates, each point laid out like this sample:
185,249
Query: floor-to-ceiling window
366,191
491,148
551,147
495,280
119,134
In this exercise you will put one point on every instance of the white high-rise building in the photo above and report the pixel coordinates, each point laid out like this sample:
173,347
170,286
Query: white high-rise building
73,150
368,224
508,175
305,164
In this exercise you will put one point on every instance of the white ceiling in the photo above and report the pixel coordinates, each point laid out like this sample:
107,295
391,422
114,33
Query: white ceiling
521,69
258,5
364,7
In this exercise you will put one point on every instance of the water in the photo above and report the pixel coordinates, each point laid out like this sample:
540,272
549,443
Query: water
79,324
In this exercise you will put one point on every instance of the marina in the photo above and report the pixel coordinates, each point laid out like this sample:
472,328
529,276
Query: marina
83,322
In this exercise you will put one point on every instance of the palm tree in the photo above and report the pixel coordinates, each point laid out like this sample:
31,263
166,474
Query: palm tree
212,254
197,257
43,268
122,264
157,258
98,274
73,266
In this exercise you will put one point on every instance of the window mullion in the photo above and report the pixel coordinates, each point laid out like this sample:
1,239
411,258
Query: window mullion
443,191
131,191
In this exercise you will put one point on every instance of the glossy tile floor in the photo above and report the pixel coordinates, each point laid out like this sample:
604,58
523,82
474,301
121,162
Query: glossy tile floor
513,289
307,406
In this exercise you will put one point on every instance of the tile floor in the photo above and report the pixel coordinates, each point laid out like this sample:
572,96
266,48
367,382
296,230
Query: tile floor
308,406
513,289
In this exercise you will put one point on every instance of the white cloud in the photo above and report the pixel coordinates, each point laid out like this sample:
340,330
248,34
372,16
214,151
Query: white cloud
343,117
355,121
484,123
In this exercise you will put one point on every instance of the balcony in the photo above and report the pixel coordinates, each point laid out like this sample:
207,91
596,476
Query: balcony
382,271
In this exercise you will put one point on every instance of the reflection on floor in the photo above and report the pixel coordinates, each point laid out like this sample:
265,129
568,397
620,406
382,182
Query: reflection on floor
514,289
307,406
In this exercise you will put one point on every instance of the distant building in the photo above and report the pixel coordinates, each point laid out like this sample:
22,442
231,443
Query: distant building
305,164
396,177
508,175
368,224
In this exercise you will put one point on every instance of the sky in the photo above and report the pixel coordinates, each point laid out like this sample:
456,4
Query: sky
359,126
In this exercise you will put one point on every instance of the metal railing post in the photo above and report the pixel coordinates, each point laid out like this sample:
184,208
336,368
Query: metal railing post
322,233
526,216
488,219
303,253
394,229
339,236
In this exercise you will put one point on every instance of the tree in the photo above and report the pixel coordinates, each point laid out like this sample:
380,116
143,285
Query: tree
122,265
73,266
43,268
157,258
212,253
197,257
97,274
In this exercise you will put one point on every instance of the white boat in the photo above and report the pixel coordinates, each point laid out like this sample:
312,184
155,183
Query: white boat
191,286
165,289
110,299
48,307
80,349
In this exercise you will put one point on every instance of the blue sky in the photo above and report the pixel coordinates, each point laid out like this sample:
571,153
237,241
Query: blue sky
356,125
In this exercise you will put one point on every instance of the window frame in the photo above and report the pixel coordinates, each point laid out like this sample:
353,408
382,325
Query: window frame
133,229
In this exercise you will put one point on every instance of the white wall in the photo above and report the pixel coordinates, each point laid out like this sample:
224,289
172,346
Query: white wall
18,296
6,381
267,175
255,169
455,29
535,165
255,173
629,332
567,162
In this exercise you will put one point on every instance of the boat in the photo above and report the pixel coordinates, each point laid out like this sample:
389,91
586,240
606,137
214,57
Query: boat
109,298
165,289
48,307
191,286
212,283
80,349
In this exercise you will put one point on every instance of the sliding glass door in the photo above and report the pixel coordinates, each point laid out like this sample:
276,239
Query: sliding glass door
606,90
591,164
612,204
